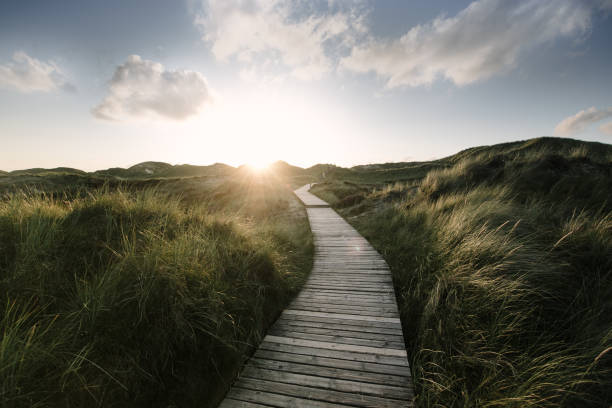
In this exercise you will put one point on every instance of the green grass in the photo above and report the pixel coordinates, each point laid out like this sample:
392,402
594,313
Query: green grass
141,298
502,265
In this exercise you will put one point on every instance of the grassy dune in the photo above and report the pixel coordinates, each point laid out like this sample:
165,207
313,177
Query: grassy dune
502,262
150,291
140,298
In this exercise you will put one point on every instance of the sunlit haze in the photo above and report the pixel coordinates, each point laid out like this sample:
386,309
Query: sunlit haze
94,85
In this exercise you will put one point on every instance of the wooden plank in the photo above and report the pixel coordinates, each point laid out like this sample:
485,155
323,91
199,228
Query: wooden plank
344,316
356,287
345,300
319,394
326,325
346,297
348,287
361,306
333,292
389,297
373,298
335,338
368,367
331,309
388,391
336,346
330,371
350,283
343,355
352,279
346,331
329,320
277,400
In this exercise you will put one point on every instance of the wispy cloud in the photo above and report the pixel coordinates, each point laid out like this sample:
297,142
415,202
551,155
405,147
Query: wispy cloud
27,74
483,40
281,34
583,119
606,128
143,89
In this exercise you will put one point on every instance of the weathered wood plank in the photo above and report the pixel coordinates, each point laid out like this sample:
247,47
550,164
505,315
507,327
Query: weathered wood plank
343,372
355,306
336,346
340,354
319,394
347,286
350,322
331,309
364,366
277,400
335,338
388,391
345,300
343,316
332,326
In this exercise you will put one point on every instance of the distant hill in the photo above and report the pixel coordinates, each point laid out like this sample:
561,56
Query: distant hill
283,168
57,170
385,173
550,145
381,173
152,169
188,170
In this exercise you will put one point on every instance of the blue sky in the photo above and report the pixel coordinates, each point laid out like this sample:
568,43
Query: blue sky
94,85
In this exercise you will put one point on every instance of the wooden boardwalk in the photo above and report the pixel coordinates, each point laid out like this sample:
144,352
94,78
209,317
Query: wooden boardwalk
339,343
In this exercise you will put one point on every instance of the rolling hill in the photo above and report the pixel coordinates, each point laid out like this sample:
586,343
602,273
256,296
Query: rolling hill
501,258
502,262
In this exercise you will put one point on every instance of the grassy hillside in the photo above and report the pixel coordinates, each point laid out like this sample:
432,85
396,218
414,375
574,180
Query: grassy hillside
160,169
502,262
184,178
148,286
142,297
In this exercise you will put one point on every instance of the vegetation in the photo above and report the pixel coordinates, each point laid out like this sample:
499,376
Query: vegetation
502,263
133,296
148,286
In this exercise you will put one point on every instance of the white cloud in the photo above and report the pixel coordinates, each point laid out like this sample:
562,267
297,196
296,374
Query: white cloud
483,40
606,128
27,74
582,120
143,89
285,33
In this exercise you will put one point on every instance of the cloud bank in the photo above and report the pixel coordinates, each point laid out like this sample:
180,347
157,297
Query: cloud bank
280,33
143,89
583,119
483,40
313,38
27,74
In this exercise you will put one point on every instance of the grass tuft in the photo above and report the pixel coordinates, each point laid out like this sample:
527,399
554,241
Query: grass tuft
138,298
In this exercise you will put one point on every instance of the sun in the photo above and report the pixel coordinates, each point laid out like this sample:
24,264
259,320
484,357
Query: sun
259,164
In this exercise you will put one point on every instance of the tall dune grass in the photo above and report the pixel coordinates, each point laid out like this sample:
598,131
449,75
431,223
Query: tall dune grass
503,270
128,299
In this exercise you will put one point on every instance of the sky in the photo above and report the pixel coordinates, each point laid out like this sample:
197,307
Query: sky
99,84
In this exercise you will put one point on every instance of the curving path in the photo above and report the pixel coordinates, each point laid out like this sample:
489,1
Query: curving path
339,343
